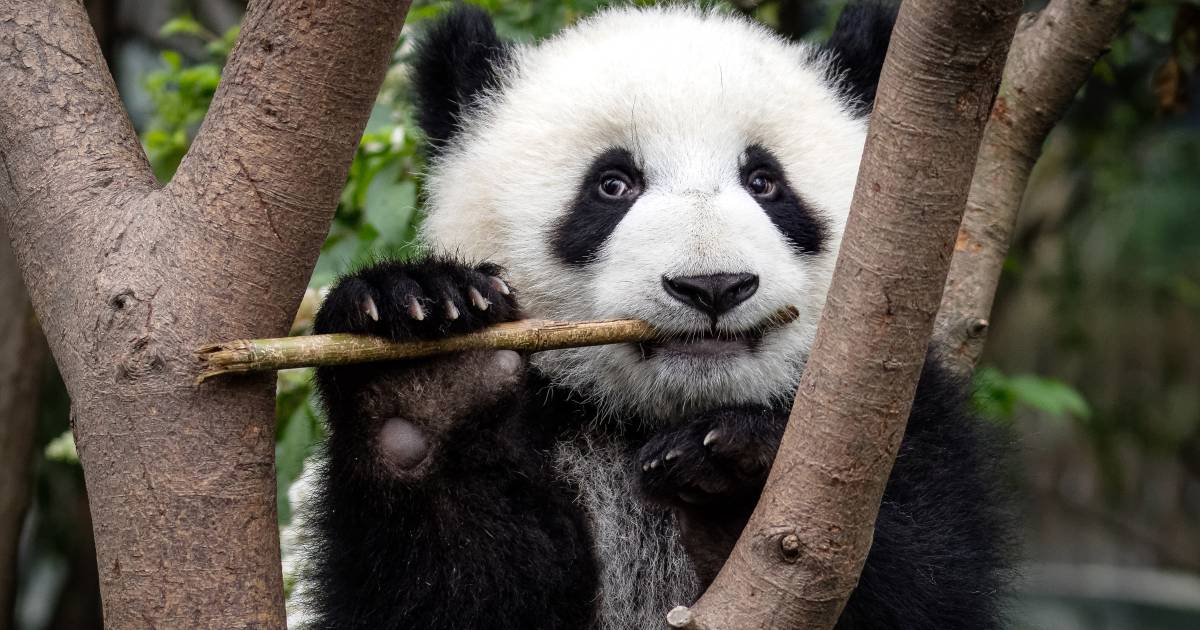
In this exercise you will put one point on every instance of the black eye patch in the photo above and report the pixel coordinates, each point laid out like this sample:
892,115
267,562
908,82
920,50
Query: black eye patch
786,209
593,216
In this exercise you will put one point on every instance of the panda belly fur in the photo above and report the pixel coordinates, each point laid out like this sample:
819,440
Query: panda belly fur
643,568
678,165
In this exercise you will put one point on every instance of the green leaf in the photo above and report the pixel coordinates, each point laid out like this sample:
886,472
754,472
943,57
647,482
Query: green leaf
391,205
367,233
1105,71
999,396
173,59
1049,395
184,25
62,449
221,47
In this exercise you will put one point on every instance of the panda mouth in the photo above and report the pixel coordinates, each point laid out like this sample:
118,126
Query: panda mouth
702,344
715,344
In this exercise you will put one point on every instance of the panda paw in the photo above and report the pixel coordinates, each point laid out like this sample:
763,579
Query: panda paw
422,299
391,419
716,458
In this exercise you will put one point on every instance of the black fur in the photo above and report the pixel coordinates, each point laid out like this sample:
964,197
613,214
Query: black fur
458,57
788,211
859,43
944,541
477,533
592,218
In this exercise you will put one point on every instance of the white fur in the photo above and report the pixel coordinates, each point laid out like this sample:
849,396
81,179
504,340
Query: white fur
686,91
644,569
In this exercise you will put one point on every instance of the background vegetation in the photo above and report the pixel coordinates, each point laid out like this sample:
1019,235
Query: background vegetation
1094,357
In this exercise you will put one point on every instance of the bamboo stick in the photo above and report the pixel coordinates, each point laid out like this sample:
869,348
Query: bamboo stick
531,335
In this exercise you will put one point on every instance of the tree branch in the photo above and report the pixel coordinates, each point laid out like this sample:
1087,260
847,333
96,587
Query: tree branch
800,556
1052,56
63,132
270,159
127,279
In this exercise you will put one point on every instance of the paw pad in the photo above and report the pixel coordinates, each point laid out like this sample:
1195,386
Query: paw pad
403,444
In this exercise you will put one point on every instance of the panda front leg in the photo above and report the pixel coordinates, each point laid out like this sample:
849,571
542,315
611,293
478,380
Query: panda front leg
710,470
435,505
941,552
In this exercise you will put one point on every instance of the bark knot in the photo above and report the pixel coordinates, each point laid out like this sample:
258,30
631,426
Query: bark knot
977,327
679,617
143,359
122,300
789,546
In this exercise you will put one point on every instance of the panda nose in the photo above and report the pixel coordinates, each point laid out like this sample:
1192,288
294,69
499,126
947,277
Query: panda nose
713,294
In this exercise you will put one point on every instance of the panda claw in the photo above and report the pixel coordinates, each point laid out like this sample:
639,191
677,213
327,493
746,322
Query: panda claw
477,299
451,310
654,463
672,455
369,308
711,437
499,285
414,309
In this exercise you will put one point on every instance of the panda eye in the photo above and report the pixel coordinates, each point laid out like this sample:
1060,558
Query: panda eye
615,185
762,184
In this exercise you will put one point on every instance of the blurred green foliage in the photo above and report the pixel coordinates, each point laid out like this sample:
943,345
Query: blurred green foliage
1000,396
181,94
1109,249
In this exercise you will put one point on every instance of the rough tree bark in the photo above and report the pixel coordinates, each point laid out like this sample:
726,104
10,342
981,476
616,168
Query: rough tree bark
22,351
801,553
127,278
1052,55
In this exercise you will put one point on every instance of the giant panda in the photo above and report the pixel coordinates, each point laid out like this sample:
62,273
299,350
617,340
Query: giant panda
681,165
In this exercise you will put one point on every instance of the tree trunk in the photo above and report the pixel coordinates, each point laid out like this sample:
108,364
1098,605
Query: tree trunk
1052,56
22,352
801,553
128,278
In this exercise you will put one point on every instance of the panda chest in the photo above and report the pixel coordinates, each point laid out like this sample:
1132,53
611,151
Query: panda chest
644,570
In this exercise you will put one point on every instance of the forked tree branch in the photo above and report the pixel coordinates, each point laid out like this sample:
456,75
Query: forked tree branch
800,556
127,279
1052,56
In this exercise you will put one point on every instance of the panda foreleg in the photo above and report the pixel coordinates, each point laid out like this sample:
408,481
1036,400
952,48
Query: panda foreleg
436,506
711,469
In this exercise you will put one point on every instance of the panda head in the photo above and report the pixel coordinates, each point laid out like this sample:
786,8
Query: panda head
682,166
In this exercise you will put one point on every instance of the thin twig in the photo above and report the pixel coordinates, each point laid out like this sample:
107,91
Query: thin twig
531,335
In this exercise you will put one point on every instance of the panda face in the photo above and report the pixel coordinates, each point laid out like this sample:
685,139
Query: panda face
687,168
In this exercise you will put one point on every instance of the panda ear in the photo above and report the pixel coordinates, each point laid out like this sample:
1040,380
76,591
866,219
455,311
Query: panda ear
859,43
458,56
